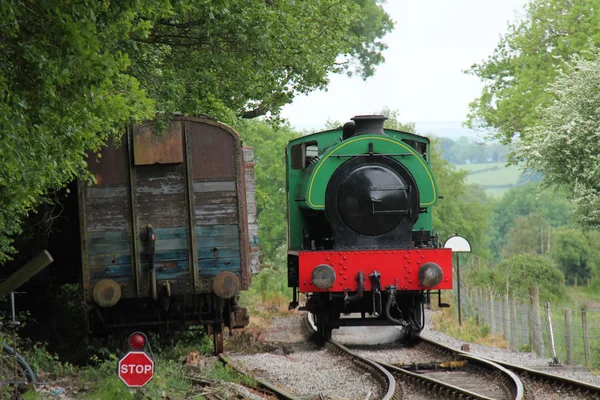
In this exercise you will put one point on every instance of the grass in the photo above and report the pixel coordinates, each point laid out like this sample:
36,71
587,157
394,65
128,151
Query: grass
482,166
447,321
496,178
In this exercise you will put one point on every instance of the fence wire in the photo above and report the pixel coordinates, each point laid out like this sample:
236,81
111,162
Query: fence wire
523,322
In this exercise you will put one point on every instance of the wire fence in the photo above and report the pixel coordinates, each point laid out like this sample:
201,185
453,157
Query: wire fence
565,336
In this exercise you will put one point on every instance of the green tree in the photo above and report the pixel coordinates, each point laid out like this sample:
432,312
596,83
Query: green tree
74,73
552,205
464,209
519,272
574,255
527,59
269,153
564,145
528,234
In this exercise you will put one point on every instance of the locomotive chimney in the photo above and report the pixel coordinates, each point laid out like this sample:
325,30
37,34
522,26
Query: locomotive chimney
372,124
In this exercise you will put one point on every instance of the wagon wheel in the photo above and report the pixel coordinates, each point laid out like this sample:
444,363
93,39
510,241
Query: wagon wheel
218,338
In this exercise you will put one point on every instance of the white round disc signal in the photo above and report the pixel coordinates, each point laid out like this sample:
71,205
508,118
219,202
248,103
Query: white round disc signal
136,368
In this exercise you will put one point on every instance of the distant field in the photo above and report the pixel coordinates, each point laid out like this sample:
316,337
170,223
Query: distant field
496,178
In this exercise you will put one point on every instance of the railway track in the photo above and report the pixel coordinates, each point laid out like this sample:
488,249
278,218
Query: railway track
537,384
422,370
317,372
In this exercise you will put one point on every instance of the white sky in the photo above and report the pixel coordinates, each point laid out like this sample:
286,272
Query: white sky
432,43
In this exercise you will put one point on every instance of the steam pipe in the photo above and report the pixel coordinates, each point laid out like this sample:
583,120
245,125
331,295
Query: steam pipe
388,305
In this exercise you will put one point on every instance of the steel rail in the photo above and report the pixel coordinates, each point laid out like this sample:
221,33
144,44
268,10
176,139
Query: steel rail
384,377
561,382
442,389
510,379
269,388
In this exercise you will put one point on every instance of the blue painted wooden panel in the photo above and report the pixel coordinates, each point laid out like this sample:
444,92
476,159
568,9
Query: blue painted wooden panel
109,259
170,233
221,253
231,242
226,240
217,230
212,267
172,270
124,271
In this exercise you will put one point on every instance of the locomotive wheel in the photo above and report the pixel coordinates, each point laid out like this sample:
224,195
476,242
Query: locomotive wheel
324,327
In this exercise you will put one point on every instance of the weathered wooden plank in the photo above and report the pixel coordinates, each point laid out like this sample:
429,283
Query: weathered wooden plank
105,260
230,242
123,280
103,192
222,252
207,209
161,202
218,186
105,213
160,186
97,237
171,244
248,153
217,219
170,233
112,272
217,230
211,267
112,248
24,273
214,195
216,201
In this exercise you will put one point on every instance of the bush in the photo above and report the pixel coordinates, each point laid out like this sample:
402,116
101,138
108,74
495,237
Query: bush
520,272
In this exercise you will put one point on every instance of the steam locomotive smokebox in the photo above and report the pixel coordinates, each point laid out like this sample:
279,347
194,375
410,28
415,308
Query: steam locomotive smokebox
365,124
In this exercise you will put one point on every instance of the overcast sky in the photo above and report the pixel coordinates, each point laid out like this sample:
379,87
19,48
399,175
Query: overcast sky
432,43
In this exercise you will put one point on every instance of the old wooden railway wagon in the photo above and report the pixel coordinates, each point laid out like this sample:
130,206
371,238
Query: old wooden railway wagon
168,230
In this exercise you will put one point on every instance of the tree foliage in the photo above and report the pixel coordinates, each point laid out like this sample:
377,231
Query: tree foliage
528,234
565,145
269,145
575,255
464,209
552,207
527,59
519,272
74,73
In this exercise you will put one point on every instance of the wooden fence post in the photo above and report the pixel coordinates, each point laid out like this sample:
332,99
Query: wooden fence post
492,318
535,323
515,324
586,339
569,337
506,317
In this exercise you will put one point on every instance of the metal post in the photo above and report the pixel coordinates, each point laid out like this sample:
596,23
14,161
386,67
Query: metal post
551,334
458,281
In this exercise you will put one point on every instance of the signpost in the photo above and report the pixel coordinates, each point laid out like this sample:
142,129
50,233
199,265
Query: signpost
136,368
458,244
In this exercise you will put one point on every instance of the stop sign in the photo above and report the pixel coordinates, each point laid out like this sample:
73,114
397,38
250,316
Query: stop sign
136,368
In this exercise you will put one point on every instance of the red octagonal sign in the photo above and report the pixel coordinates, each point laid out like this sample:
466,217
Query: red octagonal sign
136,368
